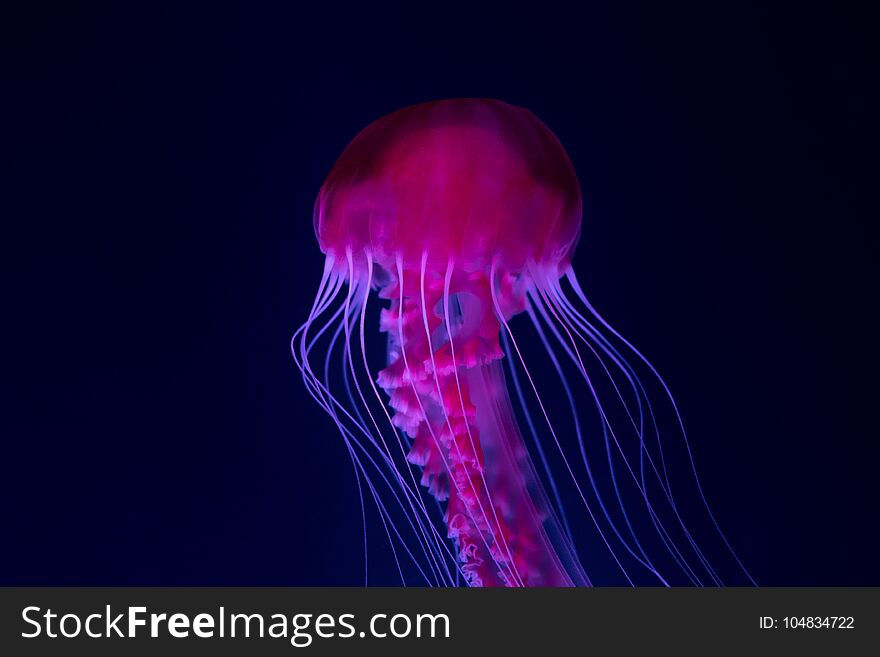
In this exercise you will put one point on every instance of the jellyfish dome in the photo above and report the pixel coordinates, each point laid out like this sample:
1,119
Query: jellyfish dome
461,216
476,181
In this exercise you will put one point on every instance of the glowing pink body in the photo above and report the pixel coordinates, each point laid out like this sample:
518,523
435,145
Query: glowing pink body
447,195
468,179
463,214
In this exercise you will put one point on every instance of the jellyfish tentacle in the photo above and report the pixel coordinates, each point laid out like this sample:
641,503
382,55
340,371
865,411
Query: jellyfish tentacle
318,394
360,491
382,515
352,456
560,507
329,401
607,429
436,545
642,558
465,526
347,434
499,531
385,514
347,366
573,324
641,483
632,376
665,537
389,526
568,327
528,518
499,313
579,293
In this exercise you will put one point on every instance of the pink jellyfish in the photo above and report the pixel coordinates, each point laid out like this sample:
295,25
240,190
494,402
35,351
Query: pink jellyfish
463,214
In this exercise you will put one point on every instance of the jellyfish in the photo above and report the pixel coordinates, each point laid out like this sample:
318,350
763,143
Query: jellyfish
504,434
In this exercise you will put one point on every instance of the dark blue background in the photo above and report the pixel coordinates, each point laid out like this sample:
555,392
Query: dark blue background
159,169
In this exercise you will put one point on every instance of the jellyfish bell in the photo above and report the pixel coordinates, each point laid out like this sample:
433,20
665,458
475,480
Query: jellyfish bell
469,180
461,215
